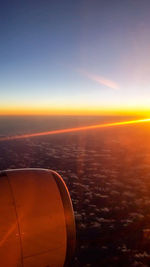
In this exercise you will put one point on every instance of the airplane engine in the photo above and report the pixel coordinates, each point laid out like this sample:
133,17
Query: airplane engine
37,227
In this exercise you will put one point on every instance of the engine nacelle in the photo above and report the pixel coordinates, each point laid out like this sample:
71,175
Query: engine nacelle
37,227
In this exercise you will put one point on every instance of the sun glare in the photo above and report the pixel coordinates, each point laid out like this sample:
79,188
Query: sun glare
76,129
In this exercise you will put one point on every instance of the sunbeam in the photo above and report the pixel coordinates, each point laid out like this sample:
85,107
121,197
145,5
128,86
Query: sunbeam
76,129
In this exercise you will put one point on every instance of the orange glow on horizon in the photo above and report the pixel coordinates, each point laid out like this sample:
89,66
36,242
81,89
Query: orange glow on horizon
76,129
74,110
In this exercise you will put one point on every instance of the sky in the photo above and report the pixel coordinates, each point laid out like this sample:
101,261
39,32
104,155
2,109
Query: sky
74,57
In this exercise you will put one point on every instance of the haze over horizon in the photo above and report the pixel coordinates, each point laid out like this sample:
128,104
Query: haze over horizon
75,57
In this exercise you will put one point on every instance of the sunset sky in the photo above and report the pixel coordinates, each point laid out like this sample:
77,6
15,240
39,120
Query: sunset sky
74,57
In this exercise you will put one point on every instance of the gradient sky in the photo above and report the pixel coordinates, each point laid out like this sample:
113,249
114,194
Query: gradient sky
74,56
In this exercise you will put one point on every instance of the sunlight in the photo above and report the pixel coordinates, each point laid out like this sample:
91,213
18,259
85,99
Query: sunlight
76,129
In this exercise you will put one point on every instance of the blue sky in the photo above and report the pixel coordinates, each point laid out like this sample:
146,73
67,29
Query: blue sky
74,54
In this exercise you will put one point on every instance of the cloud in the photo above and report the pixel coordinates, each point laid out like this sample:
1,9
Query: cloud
100,80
